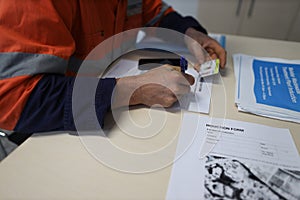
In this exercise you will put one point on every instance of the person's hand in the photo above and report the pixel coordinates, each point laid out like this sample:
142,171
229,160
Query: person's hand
213,49
160,86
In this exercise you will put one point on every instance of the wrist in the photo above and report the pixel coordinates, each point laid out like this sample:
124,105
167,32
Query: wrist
127,92
190,31
193,33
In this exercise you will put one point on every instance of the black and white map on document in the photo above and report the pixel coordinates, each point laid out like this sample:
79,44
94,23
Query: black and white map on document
227,178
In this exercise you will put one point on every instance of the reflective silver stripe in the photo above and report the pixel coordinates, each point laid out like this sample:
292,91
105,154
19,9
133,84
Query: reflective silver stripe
157,17
134,7
16,64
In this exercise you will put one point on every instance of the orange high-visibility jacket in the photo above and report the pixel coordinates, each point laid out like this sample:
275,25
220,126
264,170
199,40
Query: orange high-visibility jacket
37,40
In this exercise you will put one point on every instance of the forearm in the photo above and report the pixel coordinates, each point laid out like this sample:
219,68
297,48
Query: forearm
50,105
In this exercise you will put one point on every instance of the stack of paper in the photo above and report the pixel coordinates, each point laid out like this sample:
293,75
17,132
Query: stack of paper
268,86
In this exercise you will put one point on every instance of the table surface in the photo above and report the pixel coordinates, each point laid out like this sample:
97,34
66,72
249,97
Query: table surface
59,166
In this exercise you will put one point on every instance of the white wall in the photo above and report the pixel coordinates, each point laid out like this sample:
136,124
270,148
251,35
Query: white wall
220,16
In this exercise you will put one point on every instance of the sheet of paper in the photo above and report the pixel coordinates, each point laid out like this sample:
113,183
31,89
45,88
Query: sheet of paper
209,68
248,161
198,100
123,68
186,181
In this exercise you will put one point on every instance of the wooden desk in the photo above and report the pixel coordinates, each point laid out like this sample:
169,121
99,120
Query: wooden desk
58,166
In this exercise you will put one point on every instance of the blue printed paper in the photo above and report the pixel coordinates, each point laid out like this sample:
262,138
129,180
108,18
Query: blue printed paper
277,84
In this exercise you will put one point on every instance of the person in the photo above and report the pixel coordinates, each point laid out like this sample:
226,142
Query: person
40,38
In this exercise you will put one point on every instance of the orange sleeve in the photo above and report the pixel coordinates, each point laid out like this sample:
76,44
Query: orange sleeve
35,36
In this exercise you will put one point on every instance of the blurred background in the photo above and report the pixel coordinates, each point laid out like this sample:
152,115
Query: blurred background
274,19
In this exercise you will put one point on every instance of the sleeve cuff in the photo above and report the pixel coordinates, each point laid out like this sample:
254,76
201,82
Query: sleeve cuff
80,117
176,22
103,98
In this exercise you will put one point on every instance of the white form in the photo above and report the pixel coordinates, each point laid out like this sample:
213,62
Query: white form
248,161
253,142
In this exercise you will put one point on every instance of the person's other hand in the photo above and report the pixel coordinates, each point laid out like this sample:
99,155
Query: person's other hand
213,49
160,86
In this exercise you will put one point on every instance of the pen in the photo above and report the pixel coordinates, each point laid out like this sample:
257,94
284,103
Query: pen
183,64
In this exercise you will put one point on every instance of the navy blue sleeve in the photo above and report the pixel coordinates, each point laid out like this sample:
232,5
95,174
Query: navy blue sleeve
49,107
176,22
